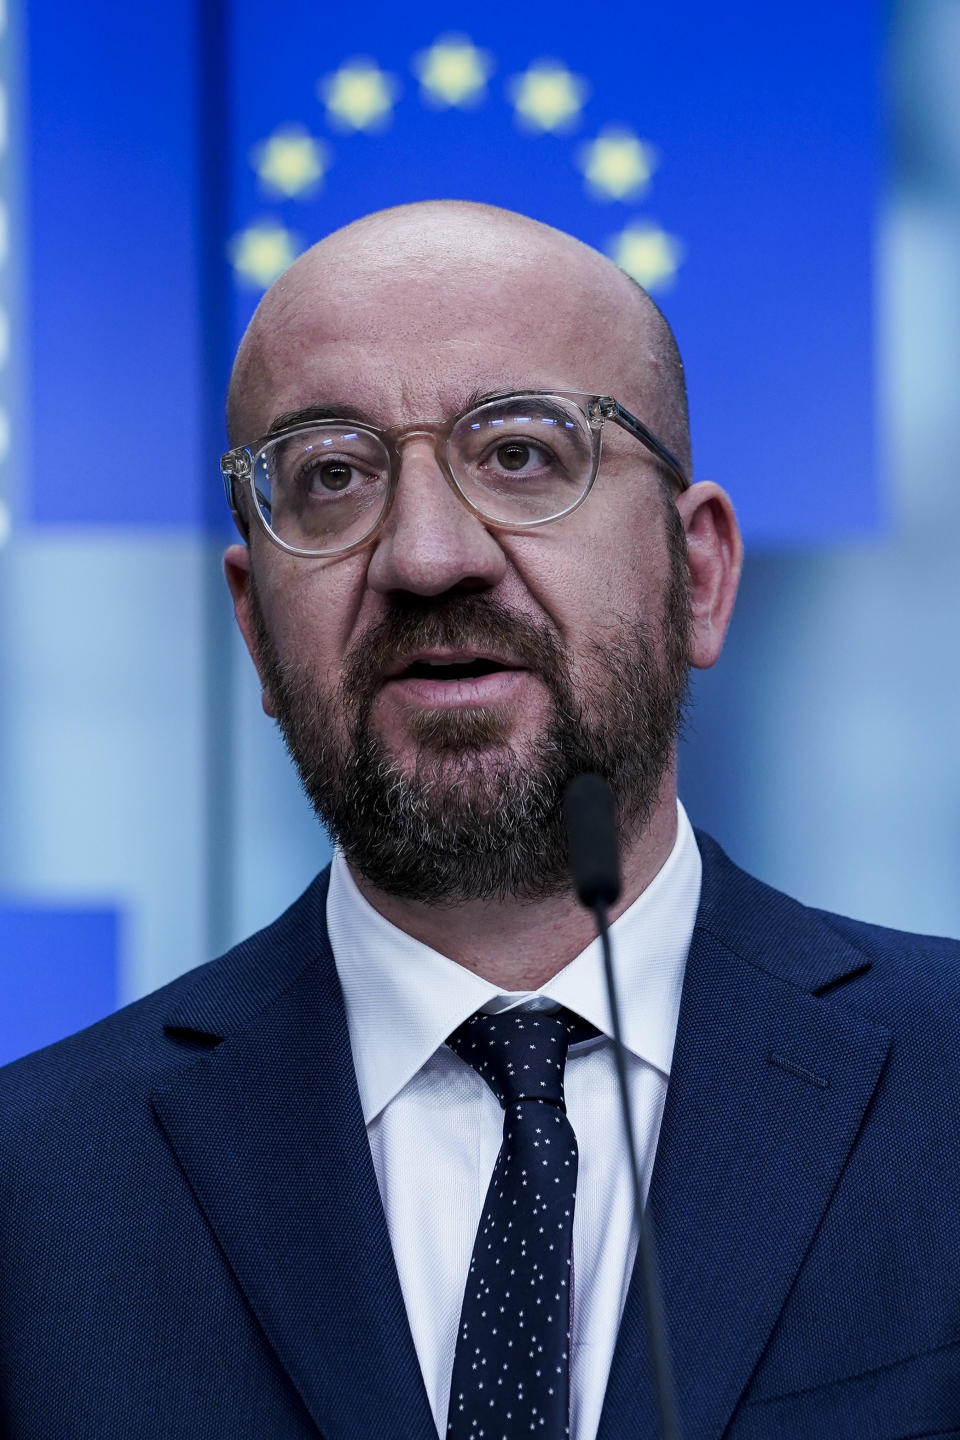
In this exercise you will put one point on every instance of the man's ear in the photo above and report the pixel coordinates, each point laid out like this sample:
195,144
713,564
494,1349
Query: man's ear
236,567
715,558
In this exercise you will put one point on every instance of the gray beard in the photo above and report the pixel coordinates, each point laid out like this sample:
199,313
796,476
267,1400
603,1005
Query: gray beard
478,819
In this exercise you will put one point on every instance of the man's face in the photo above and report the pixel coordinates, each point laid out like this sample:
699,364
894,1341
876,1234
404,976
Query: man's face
555,651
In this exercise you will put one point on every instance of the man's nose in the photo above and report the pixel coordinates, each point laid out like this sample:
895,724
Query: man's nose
431,542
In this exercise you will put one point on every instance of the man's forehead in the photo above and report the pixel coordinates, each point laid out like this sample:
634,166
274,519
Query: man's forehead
449,302
383,352
393,328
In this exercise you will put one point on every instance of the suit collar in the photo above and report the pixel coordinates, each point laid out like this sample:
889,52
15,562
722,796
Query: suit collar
403,999
226,994
768,929
759,924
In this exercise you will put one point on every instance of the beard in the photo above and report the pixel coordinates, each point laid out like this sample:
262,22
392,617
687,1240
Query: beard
479,817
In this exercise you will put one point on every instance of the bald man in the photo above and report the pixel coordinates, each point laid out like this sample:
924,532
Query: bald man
364,1174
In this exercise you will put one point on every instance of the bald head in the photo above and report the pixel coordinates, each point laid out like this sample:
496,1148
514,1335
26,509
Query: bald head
434,274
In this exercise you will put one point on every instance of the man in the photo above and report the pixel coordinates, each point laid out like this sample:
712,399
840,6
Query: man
270,1199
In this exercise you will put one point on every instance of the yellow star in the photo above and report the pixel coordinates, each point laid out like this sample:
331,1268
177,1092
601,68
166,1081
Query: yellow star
262,252
359,96
647,254
290,162
617,165
547,96
453,71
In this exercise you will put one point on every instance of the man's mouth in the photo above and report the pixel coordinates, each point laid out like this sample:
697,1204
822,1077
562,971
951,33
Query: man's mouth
458,678
451,669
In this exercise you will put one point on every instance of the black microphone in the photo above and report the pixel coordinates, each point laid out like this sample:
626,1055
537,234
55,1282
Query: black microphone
595,867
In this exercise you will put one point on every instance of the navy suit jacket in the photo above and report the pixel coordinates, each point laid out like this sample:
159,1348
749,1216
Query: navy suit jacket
192,1244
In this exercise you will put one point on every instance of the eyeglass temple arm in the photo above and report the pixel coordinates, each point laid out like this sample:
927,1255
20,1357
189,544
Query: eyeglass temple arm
612,410
235,468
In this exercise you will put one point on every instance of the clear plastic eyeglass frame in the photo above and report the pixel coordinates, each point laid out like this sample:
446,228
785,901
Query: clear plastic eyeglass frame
238,466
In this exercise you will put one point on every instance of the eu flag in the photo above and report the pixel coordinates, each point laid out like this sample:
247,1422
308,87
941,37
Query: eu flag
725,155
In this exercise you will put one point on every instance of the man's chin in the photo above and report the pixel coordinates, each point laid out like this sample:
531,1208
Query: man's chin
433,737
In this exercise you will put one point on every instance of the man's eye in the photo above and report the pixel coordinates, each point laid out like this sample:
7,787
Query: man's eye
519,455
327,477
333,475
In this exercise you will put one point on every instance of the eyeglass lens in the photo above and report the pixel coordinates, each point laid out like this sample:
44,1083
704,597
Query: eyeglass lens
517,461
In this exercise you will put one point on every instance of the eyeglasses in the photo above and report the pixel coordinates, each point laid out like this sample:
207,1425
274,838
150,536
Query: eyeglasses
516,461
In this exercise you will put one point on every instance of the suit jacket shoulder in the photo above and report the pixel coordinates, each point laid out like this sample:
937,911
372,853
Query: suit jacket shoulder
819,950
120,1313
132,1044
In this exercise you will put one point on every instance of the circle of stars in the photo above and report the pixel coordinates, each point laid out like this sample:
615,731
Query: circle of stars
454,73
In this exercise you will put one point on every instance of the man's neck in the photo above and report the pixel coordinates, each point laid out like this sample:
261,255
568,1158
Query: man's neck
521,944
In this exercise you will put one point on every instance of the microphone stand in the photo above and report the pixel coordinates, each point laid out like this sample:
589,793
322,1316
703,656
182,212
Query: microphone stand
594,861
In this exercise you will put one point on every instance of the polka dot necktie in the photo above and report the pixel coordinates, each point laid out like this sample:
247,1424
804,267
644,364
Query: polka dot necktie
511,1369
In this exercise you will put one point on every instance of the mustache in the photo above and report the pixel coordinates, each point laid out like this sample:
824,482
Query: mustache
458,621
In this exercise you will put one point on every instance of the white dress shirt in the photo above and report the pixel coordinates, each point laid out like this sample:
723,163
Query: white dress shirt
435,1126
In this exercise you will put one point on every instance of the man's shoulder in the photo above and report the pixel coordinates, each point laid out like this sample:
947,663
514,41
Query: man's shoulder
897,971
150,1039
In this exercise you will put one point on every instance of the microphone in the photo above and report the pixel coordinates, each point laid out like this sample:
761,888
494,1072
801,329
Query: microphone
595,867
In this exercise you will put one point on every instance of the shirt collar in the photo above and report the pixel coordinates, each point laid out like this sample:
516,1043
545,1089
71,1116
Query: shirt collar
403,999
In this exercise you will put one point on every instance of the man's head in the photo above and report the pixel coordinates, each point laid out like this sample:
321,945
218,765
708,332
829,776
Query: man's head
572,640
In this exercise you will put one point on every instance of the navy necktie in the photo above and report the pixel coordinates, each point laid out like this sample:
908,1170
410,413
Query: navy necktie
511,1369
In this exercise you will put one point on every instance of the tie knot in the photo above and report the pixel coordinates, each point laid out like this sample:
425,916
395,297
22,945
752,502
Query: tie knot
520,1053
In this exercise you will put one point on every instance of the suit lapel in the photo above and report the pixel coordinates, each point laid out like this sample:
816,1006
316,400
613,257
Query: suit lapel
768,1090
269,1132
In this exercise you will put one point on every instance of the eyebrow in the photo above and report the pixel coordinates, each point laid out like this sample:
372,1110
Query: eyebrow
310,413
482,397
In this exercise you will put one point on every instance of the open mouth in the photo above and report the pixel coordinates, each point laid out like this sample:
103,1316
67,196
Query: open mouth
451,669
455,680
